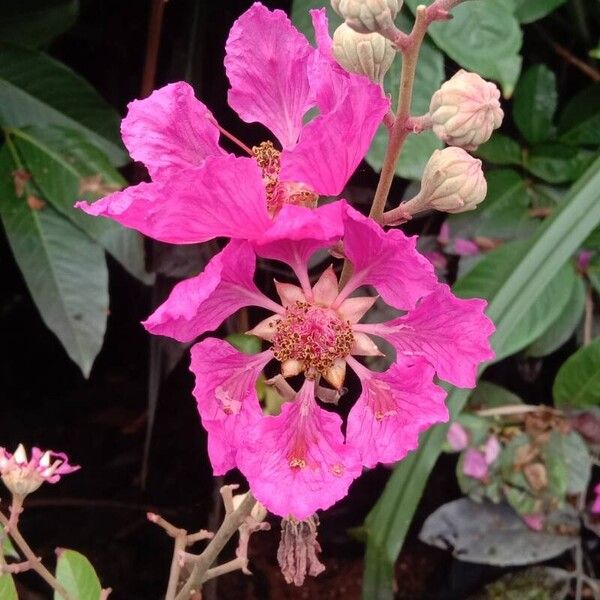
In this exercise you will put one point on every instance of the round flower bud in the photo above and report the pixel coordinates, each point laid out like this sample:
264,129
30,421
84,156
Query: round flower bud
466,110
367,16
452,181
367,54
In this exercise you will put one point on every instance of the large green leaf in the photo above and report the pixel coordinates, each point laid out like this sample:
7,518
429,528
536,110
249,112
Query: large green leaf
501,150
577,383
34,23
37,90
67,168
484,37
77,575
534,103
528,11
555,242
563,327
64,269
555,162
579,123
8,591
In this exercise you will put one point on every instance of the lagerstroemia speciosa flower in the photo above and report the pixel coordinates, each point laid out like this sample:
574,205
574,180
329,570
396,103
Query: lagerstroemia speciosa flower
22,476
198,190
299,461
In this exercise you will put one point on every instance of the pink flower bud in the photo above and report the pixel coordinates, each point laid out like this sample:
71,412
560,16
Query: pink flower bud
457,437
368,54
367,16
22,476
452,181
466,110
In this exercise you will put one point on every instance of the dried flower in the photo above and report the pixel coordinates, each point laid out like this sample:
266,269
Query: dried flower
368,54
366,16
452,181
466,110
22,477
298,550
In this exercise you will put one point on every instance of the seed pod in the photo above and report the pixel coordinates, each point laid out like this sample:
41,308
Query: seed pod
367,54
452,181
466,110
367,16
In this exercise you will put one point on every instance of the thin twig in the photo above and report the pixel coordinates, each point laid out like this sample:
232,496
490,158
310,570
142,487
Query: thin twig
152,46
178,547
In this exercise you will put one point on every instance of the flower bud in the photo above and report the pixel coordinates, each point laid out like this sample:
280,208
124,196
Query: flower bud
367,16
367,54
452,181
466,110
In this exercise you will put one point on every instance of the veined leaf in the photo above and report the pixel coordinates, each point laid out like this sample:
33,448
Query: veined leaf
33,23
554,243
77,575
577,383
67,168
482,36
37,90
64,269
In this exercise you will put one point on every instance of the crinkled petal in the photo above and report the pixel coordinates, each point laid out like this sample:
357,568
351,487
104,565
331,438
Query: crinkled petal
224,197
170,130
389,261
226,395
452,334
393,409
297,463
266,62
298,232
202,303
334,143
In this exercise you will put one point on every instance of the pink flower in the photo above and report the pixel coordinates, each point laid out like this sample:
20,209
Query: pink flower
534,521
464,247
298,461
596,504
198,190
476,462
457,437
22,476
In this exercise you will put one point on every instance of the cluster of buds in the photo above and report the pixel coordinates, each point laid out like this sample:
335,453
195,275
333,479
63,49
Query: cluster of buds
368,16
22,476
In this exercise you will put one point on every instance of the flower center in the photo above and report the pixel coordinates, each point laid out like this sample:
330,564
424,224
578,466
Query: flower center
280,192
313,335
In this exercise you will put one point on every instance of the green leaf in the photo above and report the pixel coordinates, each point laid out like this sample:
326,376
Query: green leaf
557,163
577,383
503,215
528,11
77,575
490,395
534,103
485,280
37,90
417,147
8,548
551,247
8,591
34,23
482,36
579,463
67,168
593,272
248,344
563,328
64,269
500,150
554,458
579,122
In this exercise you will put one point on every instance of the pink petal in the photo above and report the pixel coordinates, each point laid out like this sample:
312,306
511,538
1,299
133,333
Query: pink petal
464,247
170,130
224,197
226,394
353,309
202,303
596,504
450,333
457,437
393,409
534,521
321,26
266,62
297,463
474,464
492,449
333,144
388,261
325,290
298,232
